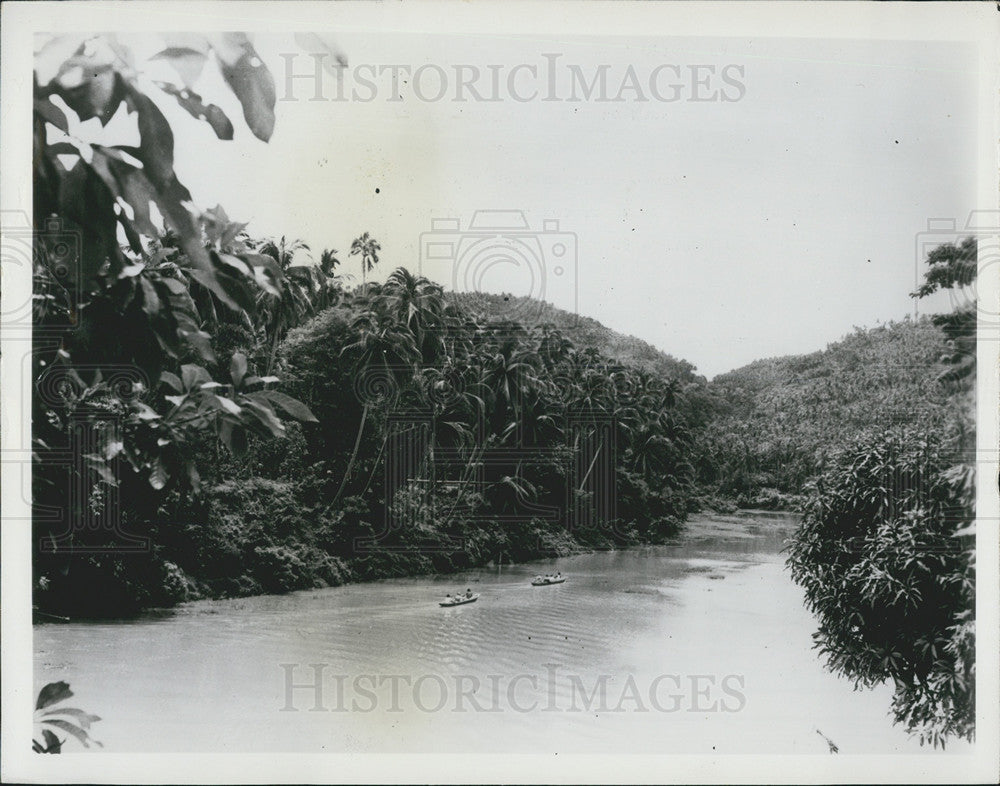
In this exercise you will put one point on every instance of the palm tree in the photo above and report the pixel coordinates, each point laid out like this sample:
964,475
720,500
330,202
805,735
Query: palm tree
328,262
328,282
282,251
280,313
418,304
510,375
384,346
367,247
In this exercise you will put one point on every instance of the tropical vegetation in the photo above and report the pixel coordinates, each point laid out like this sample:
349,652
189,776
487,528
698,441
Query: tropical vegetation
886,551
219,414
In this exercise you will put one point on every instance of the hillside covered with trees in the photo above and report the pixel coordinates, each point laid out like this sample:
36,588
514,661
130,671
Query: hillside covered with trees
521,443
218,414
519,428
777,421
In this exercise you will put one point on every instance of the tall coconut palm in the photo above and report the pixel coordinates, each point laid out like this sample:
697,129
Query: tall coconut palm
367,248
510,375
328,283
383,347
328,262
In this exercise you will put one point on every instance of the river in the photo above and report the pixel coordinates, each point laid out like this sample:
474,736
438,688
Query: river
700,646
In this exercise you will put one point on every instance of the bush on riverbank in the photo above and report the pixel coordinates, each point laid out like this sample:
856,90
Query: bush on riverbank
767,498
887,562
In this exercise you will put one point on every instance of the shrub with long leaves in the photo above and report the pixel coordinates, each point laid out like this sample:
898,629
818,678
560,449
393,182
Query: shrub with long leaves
885,560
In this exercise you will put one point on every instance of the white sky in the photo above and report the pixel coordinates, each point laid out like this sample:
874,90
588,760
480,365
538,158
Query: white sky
720,232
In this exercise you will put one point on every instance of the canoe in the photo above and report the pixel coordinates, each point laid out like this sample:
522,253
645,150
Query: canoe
459,601
546,580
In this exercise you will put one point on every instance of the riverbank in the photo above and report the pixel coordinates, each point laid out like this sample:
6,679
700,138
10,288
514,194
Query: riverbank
701,525
708,629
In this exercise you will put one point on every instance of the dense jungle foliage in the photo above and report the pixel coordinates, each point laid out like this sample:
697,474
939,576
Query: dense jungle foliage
777,421
520,444
220,414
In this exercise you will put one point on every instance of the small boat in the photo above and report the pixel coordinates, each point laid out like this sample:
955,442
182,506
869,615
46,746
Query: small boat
544,581
459,600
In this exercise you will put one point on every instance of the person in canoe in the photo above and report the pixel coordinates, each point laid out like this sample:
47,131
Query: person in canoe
468,592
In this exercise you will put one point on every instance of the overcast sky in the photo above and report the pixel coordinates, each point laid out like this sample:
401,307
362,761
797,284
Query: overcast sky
719,231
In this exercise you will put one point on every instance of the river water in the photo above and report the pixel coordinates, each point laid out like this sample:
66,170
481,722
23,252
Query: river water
702,646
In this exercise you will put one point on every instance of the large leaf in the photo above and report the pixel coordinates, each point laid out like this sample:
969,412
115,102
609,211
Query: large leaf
82,718
52,743
156,140
156,152
193,104
292,406
265,261
98,94
134,187
70,728
194,375
171,381
253,85
51,693
238,368
187,62
144,411
227,404
193,41
235,263
150,300
231,290
263,412
49,112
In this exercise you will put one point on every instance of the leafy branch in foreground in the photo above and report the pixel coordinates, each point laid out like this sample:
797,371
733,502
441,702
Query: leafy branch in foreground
51,721
133,286
143,313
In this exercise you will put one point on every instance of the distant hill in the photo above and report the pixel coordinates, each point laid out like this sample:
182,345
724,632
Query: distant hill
778,418
583,331
887,373
763,430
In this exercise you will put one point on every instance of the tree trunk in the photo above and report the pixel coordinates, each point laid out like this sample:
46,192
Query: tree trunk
354,454
274,349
